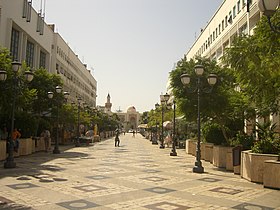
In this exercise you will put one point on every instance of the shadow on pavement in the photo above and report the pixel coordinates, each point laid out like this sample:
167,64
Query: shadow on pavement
36,163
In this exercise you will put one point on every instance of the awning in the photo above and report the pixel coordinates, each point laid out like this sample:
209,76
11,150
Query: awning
167,124
143,126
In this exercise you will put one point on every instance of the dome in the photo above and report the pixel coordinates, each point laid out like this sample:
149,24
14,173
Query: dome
131,109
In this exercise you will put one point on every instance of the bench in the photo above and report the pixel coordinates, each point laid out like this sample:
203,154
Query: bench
85,140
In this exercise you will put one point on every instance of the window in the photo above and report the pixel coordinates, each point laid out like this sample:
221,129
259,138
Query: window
234,11
219,29
243,29
238,7
29,53
226,21
42,59
223,25
214,37
243,3
15,44
216,32
249,3
230,17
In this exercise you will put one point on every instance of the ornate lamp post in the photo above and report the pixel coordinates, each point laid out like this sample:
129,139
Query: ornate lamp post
163,99
155,136
157,126
155,139
58,90
212,79
268,8
16,85
173,151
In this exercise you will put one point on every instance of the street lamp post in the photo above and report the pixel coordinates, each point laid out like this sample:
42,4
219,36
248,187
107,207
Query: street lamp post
78,126
163,99
58,90
157,126
3,76
268,8
173,151
212,79
155,139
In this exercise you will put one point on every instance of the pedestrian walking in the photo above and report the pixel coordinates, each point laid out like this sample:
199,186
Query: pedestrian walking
47,137
117,138
15,137
133,133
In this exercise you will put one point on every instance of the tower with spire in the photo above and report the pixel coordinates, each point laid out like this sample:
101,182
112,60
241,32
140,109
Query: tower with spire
108,104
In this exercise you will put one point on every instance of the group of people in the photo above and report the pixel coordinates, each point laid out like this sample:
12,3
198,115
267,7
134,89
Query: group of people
4,135
16,134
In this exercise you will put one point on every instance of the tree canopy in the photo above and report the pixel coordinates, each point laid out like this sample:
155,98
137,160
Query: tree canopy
224,105
255,61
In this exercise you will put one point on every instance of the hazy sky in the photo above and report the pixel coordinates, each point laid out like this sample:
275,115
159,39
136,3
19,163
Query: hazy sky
132,45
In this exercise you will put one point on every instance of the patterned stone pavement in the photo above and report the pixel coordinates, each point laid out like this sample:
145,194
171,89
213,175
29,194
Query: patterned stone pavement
137,175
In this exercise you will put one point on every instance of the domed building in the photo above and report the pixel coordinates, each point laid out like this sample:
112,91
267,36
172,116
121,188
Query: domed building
129,119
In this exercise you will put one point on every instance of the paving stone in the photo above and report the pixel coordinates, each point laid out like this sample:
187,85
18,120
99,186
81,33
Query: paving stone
137,175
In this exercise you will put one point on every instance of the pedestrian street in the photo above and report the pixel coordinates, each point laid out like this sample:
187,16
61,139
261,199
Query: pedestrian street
137,175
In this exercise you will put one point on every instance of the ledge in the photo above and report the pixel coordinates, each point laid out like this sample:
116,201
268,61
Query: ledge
209,152
253,164
191,146
3,150
220,156
25,146
271,174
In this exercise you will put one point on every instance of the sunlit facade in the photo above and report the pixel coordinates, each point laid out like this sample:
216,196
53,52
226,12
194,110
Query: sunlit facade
233,17
24,32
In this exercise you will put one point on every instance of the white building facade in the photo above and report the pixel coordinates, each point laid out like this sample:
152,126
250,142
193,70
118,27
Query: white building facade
233,17
31,40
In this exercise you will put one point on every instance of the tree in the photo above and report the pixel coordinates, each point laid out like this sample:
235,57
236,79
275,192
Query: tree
44,82
255,61
15,88
223,106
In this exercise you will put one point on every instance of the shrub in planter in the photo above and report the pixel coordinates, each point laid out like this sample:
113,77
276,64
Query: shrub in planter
268,142
213,134
265,149
26,123
244,140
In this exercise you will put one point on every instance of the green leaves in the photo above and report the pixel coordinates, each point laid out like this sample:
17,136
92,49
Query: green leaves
223,106
255,61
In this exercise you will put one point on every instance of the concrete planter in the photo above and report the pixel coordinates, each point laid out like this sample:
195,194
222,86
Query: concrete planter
3,150
40,144
33,146
191,146
25,146
229,163
220,156
271,174
209,152
203,149
96,138
236,169
252,165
